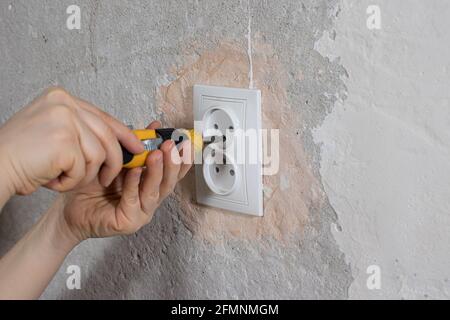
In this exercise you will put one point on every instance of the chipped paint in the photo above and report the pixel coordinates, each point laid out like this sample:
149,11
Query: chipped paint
385,151
249,47
286,209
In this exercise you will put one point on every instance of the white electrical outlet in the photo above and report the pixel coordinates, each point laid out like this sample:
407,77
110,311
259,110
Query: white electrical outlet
230,178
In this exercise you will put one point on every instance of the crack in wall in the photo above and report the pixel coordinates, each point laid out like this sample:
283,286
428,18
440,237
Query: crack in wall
249,47
92,23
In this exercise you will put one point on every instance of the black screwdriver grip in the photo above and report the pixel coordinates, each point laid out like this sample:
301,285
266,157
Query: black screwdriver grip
127,156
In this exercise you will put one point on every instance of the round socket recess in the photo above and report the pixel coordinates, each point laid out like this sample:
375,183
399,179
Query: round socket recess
217,121
221,177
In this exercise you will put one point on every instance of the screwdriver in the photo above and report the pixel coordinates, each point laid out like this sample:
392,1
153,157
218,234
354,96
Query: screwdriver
153,139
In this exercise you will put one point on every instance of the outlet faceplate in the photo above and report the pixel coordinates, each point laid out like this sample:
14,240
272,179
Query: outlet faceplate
230,178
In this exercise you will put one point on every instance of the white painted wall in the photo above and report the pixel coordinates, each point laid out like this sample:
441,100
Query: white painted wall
385,154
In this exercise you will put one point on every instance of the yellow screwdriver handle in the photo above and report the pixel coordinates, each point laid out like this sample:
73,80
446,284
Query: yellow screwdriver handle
138,160
158,136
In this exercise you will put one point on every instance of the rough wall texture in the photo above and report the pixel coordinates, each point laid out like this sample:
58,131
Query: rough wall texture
385,148
139,59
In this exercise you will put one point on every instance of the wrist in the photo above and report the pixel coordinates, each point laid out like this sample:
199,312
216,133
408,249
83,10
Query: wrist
59,236
29,266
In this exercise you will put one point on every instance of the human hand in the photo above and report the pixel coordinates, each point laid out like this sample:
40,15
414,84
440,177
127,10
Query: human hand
95,211
60,141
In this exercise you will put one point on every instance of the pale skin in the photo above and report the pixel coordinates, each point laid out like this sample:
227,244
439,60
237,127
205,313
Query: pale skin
68,145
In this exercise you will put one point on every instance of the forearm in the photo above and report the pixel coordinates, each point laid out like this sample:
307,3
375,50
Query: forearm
27,269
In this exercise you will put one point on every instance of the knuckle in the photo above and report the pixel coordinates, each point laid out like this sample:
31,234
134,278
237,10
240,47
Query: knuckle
132,200
152,196
56,94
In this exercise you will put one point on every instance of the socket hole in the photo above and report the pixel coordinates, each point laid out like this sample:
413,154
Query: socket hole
213,153
231,128
216,126
213,139
232,173
217,170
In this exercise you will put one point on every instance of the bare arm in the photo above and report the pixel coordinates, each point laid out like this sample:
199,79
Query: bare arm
90,211
28,267
60,142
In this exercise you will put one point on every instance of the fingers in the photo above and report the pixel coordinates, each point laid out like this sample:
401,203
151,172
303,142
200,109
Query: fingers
110,146
151,181
187,158
130,195
175,164
172,165
150,185
186,153
128,216
122,132
74,170
140,197
93,151
154,125
163,169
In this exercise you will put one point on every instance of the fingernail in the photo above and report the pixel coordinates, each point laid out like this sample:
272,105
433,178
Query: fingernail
158,156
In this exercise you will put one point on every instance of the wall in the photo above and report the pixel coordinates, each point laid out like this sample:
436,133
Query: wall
363,170
385,147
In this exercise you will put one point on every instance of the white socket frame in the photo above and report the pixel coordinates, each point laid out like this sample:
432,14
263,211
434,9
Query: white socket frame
244,108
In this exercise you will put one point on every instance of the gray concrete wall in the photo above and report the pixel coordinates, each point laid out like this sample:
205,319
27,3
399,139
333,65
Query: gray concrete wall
363,118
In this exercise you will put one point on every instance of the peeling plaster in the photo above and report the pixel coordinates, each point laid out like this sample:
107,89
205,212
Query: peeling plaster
286,209
385,150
